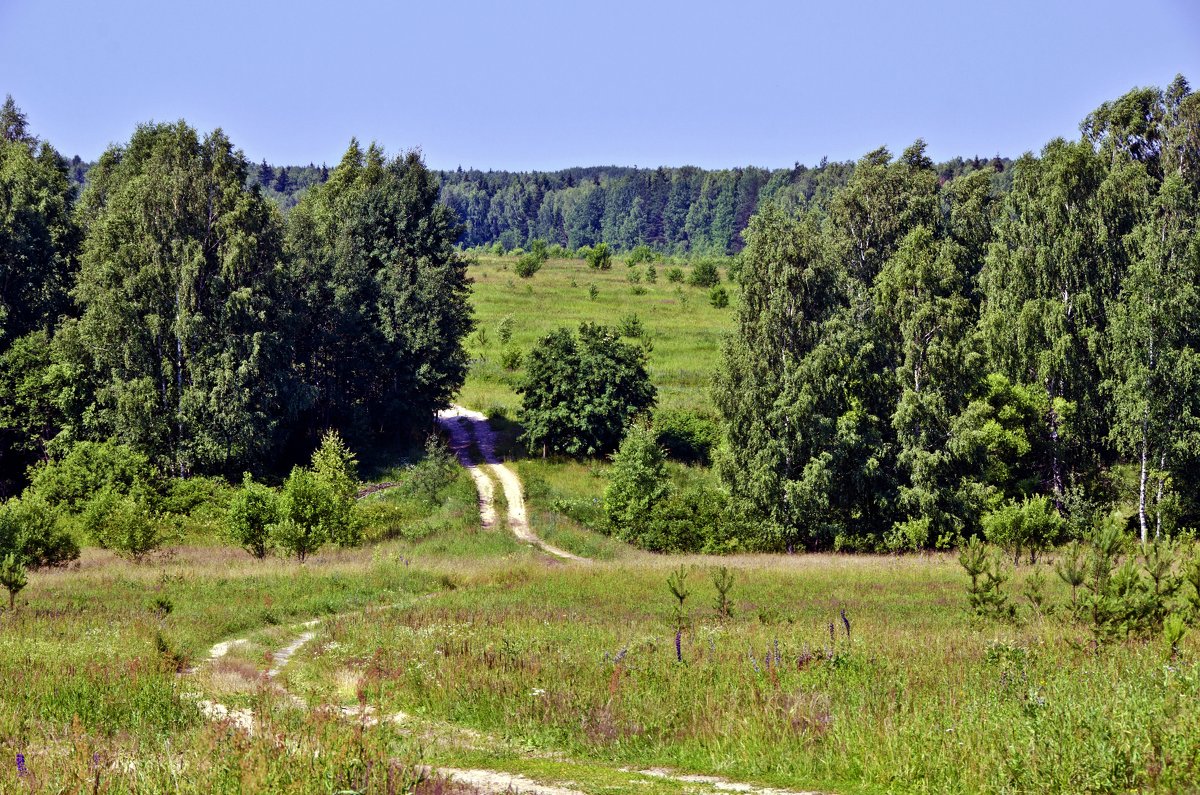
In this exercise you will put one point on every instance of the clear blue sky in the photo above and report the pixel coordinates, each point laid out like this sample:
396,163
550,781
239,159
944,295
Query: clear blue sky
529,84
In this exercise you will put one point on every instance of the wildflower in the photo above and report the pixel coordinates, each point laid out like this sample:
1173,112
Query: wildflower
621,655
778,658
846,623
679,645
21,769
537,692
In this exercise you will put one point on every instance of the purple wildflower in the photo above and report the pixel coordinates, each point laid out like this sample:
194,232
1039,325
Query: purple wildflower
679,645
21,769
778,657
846,623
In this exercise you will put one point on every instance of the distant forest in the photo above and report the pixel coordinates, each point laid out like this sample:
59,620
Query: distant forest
677,210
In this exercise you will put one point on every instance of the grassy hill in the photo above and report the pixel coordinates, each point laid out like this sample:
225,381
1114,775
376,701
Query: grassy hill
682,329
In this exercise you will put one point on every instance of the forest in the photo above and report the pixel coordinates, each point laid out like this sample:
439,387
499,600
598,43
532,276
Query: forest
922,353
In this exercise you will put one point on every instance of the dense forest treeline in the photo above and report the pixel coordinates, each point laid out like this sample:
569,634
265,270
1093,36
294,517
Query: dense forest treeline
170,306
920,354
921,361
674,210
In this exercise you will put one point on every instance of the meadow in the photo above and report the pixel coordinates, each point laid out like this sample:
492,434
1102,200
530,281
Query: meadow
441,646
682,330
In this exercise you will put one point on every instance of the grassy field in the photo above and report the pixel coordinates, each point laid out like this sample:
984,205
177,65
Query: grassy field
683,329
503,659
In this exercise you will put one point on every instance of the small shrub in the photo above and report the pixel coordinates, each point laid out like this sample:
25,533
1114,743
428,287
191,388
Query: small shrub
675,274
718,297
723,582
305,511
651,274
505,329
510,359
252,512
122,523
639,254
593,292
631,326
527,265
985,594
1030,525
677,585
705,274
13,577
687,436
600,257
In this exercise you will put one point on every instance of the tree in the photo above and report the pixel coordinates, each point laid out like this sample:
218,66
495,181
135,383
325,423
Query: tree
637,482
381,297
181,298
307,514
921,294
39,242
600,257
579,393
336,467
252,513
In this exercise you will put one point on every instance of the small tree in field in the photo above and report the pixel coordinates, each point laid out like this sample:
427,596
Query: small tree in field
336,467
637,482
580,392
305,514
600,257
252,512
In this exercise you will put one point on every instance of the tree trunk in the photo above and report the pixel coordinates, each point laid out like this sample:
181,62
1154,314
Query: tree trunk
1142,489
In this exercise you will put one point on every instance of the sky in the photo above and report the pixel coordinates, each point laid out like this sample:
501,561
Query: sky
527,84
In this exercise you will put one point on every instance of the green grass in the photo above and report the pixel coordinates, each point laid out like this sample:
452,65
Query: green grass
684,330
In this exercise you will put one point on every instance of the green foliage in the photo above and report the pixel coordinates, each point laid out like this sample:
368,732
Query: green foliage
511,358
637,482
600,257
985,594
723,579
675,274
29,529
527,265
252,513
306,511
505,329
13,577
1031,525
687,436
580,392
718,297
336,469
182,328
678,586
89,468
641,253
383,297
631,326
123,523
704,274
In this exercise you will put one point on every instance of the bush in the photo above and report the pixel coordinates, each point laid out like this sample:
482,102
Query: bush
505,329
91,467
306,512
687,436
651,274
123,523
252,512
675,274
631,326
336,468
1030,525
527,265
579,393
510,359
718,297
600,257
29,529
637,481
705,274
639,254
